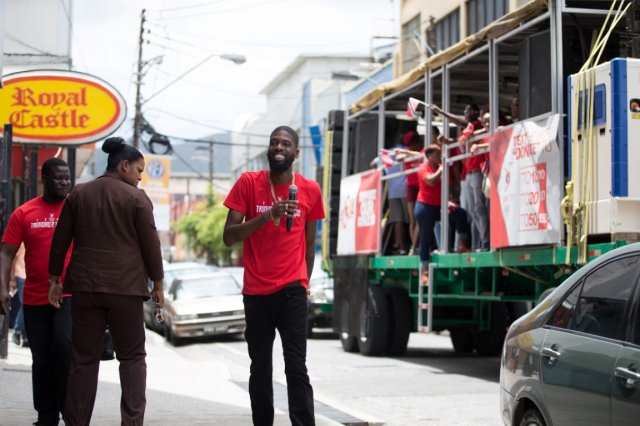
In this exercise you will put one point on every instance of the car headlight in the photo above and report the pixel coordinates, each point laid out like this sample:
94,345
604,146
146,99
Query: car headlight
186,317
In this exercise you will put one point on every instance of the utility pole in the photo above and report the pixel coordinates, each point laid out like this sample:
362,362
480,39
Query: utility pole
6,208
211,187
137,121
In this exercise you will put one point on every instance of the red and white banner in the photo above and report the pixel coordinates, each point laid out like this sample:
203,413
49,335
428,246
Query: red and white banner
526,186
359,228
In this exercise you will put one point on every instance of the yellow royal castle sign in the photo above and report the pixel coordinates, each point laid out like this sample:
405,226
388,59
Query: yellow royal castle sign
60,107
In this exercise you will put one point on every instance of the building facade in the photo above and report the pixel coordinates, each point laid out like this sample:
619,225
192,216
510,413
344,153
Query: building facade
300,96
429,26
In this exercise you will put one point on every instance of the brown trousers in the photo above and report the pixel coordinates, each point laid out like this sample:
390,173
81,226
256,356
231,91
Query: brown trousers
90,313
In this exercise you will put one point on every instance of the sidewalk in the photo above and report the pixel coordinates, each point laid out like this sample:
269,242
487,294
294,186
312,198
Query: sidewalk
222,402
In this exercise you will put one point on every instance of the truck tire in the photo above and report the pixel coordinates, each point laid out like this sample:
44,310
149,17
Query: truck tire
373,323
399,322
489,343
462,340
348,341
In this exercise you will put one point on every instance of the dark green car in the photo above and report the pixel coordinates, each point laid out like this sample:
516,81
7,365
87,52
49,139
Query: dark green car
575,358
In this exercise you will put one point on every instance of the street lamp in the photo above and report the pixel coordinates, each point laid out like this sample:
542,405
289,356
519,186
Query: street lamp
236,59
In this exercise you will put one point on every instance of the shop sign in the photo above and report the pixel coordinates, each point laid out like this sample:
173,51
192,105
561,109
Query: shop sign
60,107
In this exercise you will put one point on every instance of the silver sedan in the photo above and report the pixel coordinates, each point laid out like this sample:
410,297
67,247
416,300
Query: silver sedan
203,305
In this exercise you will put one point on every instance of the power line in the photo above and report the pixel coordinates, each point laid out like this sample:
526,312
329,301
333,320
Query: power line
264,44
191,6
188,164
220,143
221,129
43,52
220,12
244,95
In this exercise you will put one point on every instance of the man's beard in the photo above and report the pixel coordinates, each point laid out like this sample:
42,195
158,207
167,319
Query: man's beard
280,167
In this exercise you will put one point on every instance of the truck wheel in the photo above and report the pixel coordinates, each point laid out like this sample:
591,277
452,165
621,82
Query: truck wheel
373,322
489,343
462,340
399,322
349,342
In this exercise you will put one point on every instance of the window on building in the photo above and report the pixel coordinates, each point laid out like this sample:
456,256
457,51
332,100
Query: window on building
481,13
445,32
410,51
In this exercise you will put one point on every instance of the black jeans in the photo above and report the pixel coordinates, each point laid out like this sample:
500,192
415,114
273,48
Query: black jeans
286,311
49,331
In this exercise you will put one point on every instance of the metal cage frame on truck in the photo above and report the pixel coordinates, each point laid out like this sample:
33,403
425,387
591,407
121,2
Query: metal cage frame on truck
380,299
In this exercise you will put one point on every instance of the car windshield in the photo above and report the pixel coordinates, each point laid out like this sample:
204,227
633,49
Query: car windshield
168,275
205,287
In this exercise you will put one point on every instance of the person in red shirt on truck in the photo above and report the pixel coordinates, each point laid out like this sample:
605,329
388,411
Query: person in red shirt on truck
49,329
427,209
471,195
278,234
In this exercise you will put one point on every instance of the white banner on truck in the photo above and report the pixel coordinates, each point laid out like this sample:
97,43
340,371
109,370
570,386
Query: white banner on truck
359,217
526,186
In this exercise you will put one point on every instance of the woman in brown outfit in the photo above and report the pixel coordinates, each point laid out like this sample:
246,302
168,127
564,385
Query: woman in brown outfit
116,250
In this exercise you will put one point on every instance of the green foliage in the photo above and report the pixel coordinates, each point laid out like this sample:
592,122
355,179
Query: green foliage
203,229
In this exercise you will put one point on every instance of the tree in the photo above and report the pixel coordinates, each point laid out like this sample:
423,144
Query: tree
203,229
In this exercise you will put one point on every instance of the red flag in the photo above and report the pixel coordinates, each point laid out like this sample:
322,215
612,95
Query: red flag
412,107
386,156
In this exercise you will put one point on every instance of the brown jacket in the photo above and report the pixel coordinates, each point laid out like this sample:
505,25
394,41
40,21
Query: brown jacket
115,243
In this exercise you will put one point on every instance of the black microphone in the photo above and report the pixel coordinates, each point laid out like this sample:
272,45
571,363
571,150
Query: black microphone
293,190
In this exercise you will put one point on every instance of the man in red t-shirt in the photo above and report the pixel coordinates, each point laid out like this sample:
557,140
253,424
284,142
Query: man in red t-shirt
471,196
48,328
411,160
278,262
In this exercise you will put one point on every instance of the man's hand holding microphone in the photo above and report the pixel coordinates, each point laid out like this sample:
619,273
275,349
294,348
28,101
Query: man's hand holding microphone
293,191
286,208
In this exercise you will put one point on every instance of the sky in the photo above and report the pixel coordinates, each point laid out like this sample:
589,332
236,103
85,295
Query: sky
218,95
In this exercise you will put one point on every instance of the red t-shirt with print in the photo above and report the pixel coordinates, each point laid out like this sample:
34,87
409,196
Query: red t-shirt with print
412,178
429,194
475,162
33,224
274,257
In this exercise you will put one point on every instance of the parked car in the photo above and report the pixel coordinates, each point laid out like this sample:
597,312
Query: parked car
320,312
575,358
203,305
236,272
171,271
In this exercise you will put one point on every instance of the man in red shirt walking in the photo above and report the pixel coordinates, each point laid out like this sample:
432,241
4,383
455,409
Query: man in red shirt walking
49,329
278,263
